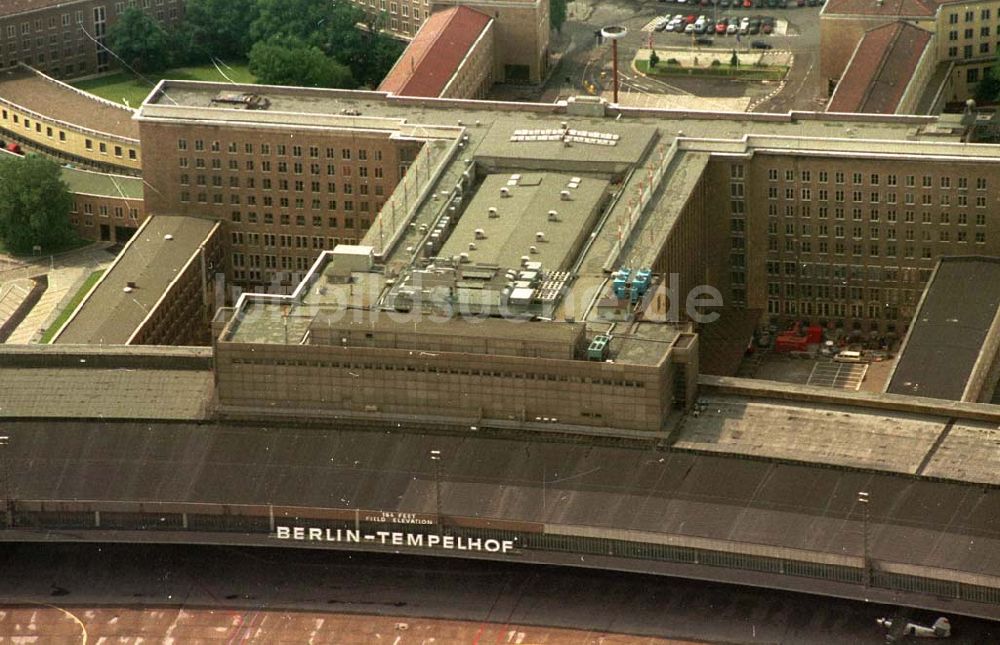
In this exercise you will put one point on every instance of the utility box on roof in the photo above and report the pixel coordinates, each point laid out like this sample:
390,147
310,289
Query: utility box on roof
350,258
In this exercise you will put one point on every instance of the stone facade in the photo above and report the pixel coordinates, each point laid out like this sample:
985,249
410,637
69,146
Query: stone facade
286,193
105,218
61,39
848,242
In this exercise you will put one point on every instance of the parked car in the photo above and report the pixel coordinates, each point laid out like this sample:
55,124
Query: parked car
732,28
753,28
689,28
766,28
720,27
761,44
704,40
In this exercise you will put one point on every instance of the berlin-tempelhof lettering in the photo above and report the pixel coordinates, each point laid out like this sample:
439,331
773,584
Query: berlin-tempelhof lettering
393,538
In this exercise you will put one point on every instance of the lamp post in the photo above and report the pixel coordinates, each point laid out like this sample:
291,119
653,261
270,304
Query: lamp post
614,34
436,458
8,516
863,500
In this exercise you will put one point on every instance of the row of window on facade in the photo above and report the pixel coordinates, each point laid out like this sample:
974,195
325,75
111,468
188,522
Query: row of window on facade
805,229
848,272
297,167
297,203
282,150
874,311
873,249
804,211
875,179
102,210
874,197
791,290
51,133
284,184
274,240
439,370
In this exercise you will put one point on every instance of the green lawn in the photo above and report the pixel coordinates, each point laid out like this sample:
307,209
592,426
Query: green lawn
71,307
123,87
748,72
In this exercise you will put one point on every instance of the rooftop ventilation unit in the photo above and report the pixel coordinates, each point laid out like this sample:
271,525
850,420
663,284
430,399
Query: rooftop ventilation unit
168,237
480,234
472,246
493,212
553,216
463,258
540,236
504,191
533,250
564,195
525,259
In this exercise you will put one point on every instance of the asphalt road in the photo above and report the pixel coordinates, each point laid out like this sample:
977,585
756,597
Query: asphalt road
501,599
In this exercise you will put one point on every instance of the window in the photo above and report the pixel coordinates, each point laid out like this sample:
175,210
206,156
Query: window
972,75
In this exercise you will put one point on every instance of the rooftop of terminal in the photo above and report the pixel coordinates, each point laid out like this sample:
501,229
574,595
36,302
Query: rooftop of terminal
37,93
122,299
949,341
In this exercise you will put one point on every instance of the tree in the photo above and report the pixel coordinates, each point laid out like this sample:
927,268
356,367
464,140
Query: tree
139,40
557,14
333,27
377,55
988,89
289,61
323,23
219,28
34,204
654,60
734,61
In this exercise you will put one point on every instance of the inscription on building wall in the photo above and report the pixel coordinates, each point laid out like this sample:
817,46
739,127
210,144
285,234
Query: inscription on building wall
393,538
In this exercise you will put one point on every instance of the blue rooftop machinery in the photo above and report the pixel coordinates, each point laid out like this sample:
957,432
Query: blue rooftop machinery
625,285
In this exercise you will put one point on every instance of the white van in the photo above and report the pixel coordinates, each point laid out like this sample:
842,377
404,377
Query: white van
848,356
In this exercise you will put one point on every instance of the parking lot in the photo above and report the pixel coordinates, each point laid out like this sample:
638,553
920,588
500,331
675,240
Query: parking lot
582,66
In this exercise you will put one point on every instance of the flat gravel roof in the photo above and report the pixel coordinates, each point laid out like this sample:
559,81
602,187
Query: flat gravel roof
109,315
56,100
949,329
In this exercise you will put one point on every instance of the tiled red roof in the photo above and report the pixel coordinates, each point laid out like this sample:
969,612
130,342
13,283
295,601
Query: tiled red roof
901,8
435,53
880,69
